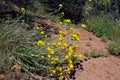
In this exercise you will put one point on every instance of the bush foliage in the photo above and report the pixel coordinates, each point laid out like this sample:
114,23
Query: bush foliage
78,9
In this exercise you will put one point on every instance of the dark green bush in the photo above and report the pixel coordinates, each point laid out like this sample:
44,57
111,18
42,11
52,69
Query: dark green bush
78,9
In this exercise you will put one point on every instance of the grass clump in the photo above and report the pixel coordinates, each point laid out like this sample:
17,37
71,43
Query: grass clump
114,48
104,27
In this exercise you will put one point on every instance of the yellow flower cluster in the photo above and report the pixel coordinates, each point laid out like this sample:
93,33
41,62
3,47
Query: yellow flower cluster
40,42
62,13
75,36
60,23
58,52
83,26
67,20
23,9
60,5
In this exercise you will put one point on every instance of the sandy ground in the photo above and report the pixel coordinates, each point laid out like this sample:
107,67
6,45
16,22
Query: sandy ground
102,68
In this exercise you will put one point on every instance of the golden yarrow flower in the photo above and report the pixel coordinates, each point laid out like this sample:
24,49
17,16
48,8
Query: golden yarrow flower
59,69
71,66
23,9
71,29
42,57
83,25
42,32
66,57
62,13
36,26
49,56
80,56
53,71
60,23
67,20
60,5
52,51
40,42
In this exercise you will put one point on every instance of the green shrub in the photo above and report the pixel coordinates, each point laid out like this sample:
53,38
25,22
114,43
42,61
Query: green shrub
103,26
106,28
78,9
114,48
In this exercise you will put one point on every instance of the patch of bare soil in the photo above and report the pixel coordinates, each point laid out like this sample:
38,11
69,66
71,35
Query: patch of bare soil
102,68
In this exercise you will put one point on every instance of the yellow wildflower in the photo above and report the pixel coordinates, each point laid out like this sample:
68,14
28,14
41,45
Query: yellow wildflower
45,36
70,49
23,9
63,47
48,48
77,38
68,70
59,43
60,37
42,32
49,56
60,23
70,62
80,56
52,51
42,57
69,53
60,32
56,59
48,44
59,69
53,62
71,66
60,5
64,33
83,25
67,20
78,33
65,44
54,44
51,74
74,35
71,29
66,57
40,42
62,13
61,74
53,71
36,25
75,55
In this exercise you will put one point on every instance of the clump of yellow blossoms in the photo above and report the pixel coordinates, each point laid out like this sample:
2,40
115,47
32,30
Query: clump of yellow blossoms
62,13
60,5
83,26
23,9
67,20
60,56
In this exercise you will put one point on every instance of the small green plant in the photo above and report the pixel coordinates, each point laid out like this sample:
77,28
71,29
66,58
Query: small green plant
94,54
114,48
106,28
104,38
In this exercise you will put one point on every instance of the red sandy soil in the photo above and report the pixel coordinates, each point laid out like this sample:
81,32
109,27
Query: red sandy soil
102,68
